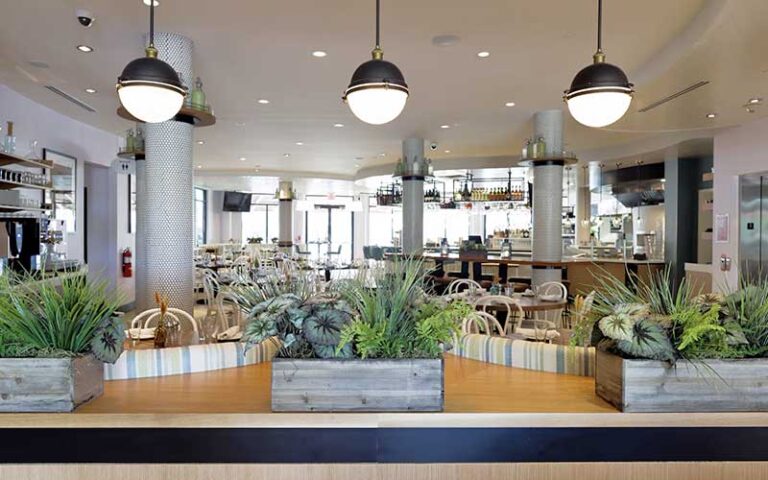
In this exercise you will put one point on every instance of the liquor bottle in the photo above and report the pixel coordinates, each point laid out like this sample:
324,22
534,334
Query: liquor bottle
9,143
198,95
541,147
130,141
139,141
399,168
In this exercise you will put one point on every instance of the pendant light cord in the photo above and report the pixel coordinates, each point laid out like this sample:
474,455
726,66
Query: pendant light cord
378,7
152,23
599,25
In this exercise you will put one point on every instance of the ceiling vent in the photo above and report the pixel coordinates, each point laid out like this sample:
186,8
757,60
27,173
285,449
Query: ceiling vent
71,99
675,95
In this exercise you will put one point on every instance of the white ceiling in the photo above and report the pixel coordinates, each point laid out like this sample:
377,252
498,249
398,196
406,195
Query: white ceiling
247,50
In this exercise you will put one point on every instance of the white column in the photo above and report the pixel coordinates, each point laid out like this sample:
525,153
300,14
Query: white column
140,253
547,244
285,197
413,196
167,213
583,204
362,224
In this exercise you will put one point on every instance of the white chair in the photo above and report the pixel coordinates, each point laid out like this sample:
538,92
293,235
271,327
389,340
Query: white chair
146,318
456,285
514,313
211,288
481,322
229,308
555,291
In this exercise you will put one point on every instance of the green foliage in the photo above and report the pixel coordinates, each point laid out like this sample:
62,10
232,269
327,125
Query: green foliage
38,318
648,340
248,296
107,344
304,328
748,307
396,319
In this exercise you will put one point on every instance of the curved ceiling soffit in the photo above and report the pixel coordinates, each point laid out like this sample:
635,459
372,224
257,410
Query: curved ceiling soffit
703,24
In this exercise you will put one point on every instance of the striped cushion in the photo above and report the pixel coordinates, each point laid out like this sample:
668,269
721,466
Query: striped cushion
190,359
529,355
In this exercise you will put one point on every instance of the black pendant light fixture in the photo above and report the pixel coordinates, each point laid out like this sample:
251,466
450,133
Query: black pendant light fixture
149,88
600,94
377,92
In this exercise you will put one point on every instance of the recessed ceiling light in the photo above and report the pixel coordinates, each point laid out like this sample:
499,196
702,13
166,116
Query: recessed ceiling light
199,166
445,126
85,48
90,90
299,143
319,54
201,142
239,124
263,101
242,159
338,125
357,165
447,151
711,115
509,104
755,100
147,3
382,154
483,54
286,155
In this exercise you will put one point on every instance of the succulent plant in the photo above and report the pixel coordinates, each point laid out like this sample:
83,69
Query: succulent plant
107,342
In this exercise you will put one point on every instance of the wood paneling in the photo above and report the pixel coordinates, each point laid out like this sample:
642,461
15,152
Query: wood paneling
584,277
516,471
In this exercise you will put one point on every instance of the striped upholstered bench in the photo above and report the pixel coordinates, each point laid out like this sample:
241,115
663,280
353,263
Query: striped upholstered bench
190,359
529,355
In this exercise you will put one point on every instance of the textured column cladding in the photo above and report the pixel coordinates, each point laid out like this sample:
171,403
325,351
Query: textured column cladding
168,214
286,223
547,242
539,276
549,124
413,197
140,269
583,207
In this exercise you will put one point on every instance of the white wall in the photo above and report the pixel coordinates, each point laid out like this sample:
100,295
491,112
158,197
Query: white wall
58,132
738,151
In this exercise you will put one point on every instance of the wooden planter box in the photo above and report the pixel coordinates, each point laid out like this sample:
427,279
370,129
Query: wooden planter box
316,385
49,384
707,386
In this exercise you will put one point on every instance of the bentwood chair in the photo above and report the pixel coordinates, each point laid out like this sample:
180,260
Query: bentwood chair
556,292
514,312
230,313
457,286
149,317
483,323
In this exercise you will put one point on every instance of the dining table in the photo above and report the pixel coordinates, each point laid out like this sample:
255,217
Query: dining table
184,338
527,303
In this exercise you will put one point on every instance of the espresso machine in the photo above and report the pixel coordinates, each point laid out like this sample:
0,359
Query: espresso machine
22,245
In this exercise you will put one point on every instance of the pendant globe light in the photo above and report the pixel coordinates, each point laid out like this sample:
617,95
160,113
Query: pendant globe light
149,88
600,94
377,92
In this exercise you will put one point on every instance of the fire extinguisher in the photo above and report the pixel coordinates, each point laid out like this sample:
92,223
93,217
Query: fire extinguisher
127,266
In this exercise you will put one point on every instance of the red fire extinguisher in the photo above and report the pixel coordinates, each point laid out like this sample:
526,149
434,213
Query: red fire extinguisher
127,266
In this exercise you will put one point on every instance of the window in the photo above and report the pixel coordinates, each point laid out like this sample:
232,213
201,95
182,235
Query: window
263,221
329,230
201,216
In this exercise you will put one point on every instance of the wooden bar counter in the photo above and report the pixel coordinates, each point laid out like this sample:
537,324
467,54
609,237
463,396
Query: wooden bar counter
499,422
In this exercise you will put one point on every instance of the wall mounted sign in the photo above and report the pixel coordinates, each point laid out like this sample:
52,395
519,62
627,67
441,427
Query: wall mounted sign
721,228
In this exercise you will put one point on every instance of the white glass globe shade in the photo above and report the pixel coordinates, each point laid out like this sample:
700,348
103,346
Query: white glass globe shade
150,104
377,106
599,109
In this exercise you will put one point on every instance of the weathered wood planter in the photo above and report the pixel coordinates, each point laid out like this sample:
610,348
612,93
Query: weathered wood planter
708,386
49,384
316,385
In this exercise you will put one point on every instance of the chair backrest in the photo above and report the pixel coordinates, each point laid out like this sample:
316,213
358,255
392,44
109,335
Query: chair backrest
515,312
146,318
456,285
210,286
242,260
550,288
481,322
224,299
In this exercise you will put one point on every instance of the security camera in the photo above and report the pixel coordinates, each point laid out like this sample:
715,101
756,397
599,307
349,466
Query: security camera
433,146
84,17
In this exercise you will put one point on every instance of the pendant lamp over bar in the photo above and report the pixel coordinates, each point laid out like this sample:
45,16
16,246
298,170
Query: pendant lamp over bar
149,88
377,92
600,94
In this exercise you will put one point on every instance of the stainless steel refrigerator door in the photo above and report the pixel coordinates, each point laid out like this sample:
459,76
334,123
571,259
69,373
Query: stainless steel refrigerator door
751,213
